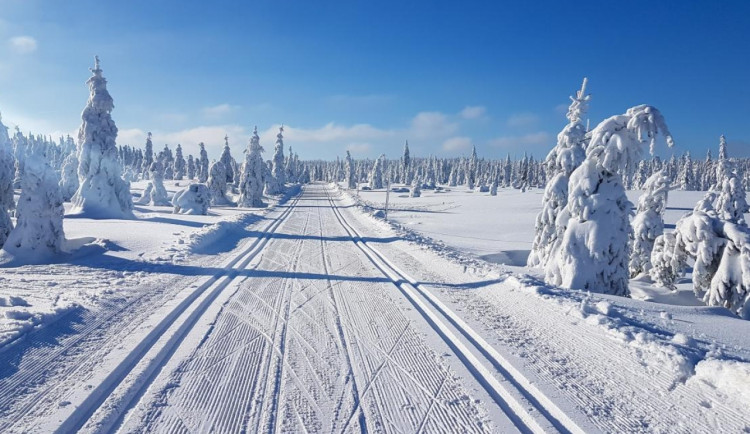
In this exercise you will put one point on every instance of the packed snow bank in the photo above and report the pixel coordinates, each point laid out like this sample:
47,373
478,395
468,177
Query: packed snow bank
18,317
228,231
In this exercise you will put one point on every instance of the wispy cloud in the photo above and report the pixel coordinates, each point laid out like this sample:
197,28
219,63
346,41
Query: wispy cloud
431,125
456,144
473,112
359,148
217,111
523,120
23,44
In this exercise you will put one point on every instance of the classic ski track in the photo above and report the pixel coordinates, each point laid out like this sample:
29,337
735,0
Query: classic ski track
100,393
439,316
283,344
323,353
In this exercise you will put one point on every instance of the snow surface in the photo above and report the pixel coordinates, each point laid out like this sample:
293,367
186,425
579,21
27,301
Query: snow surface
312,315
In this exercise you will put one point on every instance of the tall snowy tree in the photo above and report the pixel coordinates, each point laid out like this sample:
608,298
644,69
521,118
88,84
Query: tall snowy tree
69,177
148,155
102,192
227,161
561,161
7,172
217,184
406,165
179,164
203,163
39,230
648,223
191,167
376,176
278,174
593,252
251,180
351,180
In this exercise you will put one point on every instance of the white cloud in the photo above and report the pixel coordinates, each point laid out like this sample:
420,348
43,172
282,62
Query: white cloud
473,112
533,139
431,125
359,148
523,120
23,44
457,144
218,111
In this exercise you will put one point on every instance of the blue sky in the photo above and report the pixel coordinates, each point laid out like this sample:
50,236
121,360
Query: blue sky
366,76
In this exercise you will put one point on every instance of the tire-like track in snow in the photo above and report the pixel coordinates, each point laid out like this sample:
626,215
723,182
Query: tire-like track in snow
525,404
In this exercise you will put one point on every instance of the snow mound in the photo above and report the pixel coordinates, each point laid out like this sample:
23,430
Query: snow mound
728,377
192,200
205,240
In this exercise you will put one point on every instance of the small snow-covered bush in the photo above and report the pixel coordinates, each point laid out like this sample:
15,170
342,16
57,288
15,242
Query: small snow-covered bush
194,199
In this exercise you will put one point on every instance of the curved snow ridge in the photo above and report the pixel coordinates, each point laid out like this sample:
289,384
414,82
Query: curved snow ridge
17,317
204,238
529,408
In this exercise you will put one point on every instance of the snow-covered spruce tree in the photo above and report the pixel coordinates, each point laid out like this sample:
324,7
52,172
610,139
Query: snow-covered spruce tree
39,227
226,160
648,223
191,167
166,159
406,165
731,203
251,180
723,167
179,164
376,175
666,261
351,180
203,163
102,192
278,175
155,192
148,155
7,172
593,252
561,161
687,180
416,188
69,177
493,186
217,184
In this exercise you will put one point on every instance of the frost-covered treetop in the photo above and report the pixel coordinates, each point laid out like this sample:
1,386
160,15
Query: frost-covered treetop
579,104
655,195
100,97
279,137
723,148
255,142
616,141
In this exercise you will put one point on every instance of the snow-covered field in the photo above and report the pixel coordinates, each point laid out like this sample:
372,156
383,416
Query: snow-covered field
312,315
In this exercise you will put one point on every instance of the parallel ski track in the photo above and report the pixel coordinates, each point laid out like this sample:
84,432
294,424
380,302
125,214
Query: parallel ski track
212,286
546,416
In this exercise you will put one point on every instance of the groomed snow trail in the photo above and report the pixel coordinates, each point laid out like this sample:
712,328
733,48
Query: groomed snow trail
315,338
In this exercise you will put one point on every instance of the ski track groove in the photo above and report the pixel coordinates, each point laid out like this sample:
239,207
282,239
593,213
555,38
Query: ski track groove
439,315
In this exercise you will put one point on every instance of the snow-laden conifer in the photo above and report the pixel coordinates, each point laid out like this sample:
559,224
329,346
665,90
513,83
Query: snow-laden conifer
203,171
179,164
217,184
648,223
38,233
593,251
561,161
7,172
278,175
227,161
102,192
376,175
251,179
69,182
